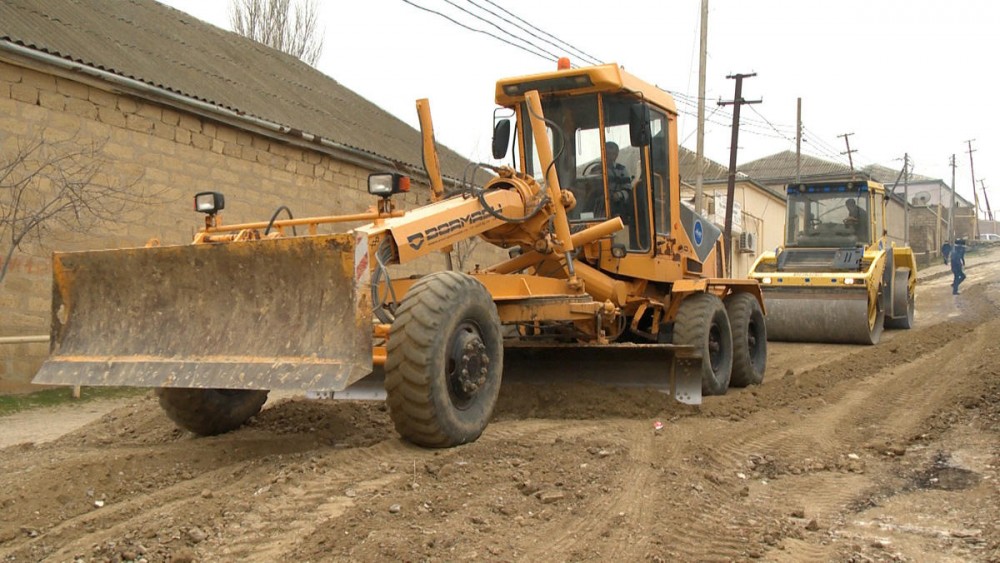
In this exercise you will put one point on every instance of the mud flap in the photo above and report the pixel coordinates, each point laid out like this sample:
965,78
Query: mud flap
287,313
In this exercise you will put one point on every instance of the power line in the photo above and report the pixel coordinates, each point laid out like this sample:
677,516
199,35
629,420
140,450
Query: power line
688,136
693,100
592,59
502,30
818,147
752,125
760,128
827,150
753,109
460,24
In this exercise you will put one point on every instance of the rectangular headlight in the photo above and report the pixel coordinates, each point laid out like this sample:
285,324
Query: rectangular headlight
380,184
384,184
209,202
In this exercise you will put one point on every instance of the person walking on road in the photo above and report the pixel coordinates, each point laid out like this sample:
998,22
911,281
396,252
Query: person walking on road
958,265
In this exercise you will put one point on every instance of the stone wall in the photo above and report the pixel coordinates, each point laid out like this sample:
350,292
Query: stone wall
170,155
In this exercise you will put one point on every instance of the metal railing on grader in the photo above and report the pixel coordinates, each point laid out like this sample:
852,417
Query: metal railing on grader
608,266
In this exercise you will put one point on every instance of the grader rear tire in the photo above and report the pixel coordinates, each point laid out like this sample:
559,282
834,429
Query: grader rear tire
702,322
749,340
444,361
208,412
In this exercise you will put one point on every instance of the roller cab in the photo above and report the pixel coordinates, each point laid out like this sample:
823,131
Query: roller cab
836,279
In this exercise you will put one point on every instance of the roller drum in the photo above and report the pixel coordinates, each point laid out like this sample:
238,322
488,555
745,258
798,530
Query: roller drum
816,316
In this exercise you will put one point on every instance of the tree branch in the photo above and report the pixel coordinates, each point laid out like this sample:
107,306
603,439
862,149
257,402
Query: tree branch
69,185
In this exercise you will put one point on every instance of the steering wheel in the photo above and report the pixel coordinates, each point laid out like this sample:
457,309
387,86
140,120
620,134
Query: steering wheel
592,169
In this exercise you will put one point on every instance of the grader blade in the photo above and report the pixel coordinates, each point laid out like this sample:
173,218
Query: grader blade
670,368
287,313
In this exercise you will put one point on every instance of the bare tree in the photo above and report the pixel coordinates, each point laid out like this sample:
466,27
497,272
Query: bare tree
291,28
463,250
48,187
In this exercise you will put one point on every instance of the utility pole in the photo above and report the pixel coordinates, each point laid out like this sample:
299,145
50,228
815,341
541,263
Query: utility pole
906,198
798,141
986,199
699,193
850,159
951,211
975,194
731,186
937,218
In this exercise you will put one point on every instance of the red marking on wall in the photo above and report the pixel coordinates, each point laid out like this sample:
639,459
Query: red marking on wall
26,265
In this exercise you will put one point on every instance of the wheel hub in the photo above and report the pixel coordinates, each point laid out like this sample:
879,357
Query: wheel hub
468,364
752,337
715,347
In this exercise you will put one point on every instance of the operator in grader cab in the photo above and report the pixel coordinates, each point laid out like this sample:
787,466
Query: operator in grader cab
619,185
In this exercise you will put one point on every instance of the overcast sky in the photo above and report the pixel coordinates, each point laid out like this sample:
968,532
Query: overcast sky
913,76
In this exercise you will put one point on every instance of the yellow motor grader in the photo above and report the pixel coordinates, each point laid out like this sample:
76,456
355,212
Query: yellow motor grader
608,268
837,278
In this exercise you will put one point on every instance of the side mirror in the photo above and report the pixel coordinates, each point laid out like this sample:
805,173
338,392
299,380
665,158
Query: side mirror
638,125
501,138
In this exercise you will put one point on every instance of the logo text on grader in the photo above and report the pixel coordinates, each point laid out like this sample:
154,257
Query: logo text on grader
417,240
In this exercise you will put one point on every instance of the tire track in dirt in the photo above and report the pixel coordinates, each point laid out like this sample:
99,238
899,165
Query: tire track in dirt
896,400
311,516
697,537
266,498
824,433
697,491
316,500
627,508
172,483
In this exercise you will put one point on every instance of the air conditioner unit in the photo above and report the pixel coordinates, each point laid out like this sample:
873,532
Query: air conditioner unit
922,198
748,242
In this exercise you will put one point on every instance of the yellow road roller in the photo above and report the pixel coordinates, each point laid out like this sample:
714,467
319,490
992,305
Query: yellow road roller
837,278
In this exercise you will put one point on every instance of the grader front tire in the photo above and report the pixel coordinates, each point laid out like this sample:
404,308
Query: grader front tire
208,412
444,361
702,322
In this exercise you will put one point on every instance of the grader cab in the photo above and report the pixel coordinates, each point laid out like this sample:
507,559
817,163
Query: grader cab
606,264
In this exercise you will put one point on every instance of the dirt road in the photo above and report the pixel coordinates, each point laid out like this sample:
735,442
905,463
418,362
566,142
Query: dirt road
846,453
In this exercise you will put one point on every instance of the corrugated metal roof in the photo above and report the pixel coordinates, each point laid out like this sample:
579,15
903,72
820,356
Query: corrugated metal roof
780,167
164,47
887,176
689,167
